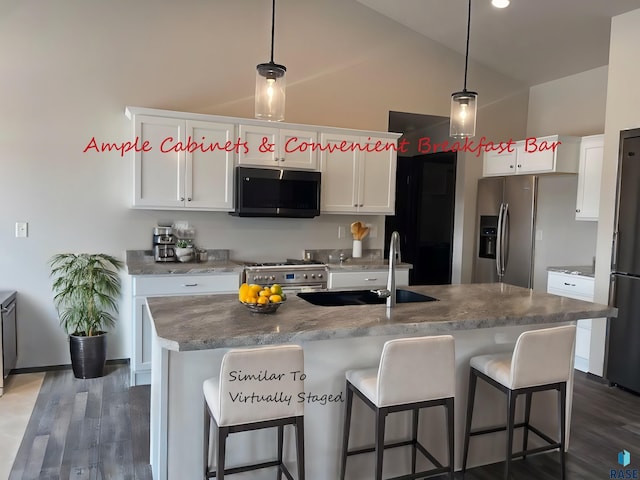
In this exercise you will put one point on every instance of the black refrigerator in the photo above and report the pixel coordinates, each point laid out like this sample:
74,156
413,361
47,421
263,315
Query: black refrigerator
623,357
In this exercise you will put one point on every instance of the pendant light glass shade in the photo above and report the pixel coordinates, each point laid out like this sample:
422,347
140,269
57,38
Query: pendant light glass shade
270,84
270,91
464,107
464,104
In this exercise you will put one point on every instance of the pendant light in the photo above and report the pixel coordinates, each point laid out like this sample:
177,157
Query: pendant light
464,104
270,84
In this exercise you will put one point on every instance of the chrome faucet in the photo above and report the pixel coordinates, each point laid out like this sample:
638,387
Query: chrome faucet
394,259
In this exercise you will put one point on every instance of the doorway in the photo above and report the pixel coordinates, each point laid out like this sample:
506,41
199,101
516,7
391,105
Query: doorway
425,199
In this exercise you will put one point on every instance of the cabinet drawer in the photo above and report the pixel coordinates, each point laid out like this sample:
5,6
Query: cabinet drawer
573,286
185,284
366,279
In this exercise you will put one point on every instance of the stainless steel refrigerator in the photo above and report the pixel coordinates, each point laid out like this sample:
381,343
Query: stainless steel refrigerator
505,230
623,358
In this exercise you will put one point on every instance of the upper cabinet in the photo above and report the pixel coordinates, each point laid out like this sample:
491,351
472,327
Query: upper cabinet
591,157
358,180
277,147
551,154
186,164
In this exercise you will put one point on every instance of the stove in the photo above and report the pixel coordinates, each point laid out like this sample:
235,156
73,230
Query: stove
292,275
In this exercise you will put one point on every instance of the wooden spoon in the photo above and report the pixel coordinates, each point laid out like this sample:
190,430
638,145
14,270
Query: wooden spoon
354,230
363,232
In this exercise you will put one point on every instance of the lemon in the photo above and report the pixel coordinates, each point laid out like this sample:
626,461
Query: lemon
265,293
276,289
251,300
275,298
243,292
263,300
255,288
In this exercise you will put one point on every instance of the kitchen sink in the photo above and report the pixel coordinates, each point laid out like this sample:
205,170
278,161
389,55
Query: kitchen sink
360,297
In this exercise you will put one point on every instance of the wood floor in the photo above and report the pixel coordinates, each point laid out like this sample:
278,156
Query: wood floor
99,429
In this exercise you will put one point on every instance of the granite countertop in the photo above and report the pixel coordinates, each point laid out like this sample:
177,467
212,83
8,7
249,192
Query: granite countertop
585,271
6,296
141,262
219,321
359,264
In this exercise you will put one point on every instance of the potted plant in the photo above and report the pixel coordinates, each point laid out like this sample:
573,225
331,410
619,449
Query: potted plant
86,288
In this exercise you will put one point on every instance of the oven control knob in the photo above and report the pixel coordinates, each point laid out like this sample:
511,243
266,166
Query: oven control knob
256,278
313,275
304,276
272,277
319,275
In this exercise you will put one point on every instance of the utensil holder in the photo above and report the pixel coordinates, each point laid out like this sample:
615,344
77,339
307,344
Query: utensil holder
357,249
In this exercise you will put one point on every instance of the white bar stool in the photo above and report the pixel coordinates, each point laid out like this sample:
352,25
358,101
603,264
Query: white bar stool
231,417
413,373
541,360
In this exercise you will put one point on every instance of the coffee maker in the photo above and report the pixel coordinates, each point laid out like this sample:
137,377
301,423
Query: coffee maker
164,244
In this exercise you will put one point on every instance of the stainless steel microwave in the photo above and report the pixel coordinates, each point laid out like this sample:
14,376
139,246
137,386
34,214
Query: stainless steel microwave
268,192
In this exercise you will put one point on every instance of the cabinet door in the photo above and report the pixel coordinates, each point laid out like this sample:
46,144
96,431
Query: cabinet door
536,158
588,198
255,137
142,338
159,175
290,142
377,179
495,164
209,174
339,176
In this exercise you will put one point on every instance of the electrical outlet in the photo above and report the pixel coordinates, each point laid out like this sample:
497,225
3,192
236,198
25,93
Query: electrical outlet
22,229
341,231
373,230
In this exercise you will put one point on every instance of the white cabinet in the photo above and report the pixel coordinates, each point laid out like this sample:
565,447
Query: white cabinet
353,279
188,164
589,173
277,147
551,154
355,180
144,286
579,287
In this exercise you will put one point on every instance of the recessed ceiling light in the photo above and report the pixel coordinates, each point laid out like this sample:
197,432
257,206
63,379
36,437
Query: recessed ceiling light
500,3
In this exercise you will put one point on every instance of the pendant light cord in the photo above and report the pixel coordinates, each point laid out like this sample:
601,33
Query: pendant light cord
466,57
273,29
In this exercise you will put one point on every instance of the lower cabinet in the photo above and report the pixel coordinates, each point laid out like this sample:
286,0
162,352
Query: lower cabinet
580,288
166,285
341,280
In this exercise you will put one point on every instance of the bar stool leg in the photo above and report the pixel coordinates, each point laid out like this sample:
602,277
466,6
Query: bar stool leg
345,434
511,414
527,416
414,438
473,378
300,446
450,432
280,442
207,433
223,433
562,406
381,416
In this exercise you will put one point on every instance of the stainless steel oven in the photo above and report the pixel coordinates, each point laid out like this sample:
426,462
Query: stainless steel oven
292,275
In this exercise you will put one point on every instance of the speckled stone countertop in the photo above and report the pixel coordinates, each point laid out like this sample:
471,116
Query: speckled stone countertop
218,321
372,259
141,262
585,271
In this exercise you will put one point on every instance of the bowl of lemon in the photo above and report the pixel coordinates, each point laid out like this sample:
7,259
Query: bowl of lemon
259,299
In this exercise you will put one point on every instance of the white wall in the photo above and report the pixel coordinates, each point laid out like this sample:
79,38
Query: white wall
622,113
573,105
69,68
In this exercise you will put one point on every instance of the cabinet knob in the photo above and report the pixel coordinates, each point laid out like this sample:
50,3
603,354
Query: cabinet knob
519,166
182,199
355,204
189,199
282,159
361,205
510,166
577,210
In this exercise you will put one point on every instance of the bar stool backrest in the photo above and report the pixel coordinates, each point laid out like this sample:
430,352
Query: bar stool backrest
416,369
258,384
543,356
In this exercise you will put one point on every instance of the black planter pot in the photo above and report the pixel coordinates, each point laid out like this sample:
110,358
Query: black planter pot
88,355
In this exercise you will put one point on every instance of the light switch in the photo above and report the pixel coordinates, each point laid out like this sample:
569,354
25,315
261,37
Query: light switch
341,231
22,229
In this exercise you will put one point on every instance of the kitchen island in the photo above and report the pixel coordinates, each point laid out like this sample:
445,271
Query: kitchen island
193,333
